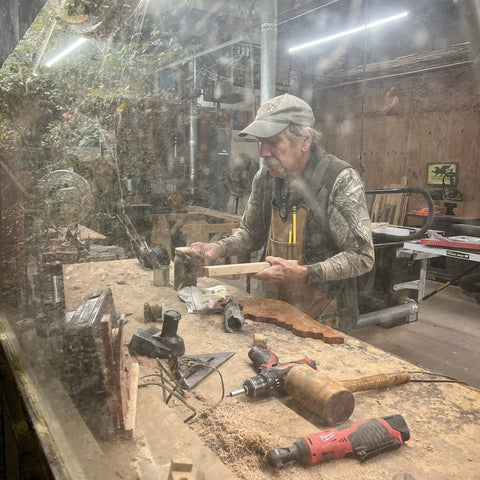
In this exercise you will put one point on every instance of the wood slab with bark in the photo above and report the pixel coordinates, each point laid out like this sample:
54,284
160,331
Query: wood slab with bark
284,315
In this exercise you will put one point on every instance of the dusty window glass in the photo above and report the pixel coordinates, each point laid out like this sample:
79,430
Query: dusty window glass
116,116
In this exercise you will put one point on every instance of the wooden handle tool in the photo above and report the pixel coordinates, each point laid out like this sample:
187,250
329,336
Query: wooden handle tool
375,381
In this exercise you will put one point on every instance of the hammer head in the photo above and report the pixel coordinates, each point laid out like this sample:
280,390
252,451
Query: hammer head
326,397
187,267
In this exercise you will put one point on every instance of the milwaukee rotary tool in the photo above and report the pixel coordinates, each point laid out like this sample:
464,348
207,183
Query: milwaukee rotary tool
361,440
271,374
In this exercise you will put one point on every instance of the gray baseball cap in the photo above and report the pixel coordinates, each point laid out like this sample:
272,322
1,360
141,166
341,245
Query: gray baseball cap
277,113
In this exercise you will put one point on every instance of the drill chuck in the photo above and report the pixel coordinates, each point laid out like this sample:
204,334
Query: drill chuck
271,376
265,382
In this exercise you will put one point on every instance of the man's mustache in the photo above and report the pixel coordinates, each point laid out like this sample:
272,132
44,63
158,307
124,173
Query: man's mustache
274,164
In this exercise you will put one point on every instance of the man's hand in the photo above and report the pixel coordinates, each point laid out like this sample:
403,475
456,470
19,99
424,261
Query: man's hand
210,251
282,271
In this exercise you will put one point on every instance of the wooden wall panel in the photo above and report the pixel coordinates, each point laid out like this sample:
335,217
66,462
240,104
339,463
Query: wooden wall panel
398,125
442,137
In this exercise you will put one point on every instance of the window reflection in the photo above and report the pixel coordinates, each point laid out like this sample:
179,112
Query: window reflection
113,112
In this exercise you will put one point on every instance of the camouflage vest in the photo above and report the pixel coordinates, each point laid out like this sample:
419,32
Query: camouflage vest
311,192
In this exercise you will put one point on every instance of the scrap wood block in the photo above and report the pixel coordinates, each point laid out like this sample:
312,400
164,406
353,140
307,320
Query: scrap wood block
98,373
121,378
289,317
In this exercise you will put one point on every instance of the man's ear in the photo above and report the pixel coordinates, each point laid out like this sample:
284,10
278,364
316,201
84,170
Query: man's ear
307,139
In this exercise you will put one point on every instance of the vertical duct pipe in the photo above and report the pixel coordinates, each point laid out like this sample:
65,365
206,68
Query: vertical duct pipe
267,9
193,135
193,130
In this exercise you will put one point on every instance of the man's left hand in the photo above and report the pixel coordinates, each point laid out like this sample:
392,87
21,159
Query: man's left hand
282,271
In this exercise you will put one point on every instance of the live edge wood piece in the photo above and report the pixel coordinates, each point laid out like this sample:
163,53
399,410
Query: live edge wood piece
284,315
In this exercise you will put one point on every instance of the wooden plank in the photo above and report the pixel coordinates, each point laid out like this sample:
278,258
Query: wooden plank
131,413
197,232
390,207
210,227
230,217
86,234
237,268
165,436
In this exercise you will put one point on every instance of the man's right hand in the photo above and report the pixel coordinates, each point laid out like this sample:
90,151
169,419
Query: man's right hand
210,251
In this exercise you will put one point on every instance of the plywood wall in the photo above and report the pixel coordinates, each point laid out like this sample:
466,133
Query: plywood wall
395,126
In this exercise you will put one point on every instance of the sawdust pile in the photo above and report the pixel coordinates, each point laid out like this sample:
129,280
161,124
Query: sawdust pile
240,447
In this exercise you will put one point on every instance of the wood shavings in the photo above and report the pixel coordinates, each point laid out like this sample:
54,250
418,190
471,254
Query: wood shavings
240,448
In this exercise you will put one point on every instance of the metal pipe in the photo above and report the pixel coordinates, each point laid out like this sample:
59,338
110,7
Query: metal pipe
267,10
193,142
392,316
193,132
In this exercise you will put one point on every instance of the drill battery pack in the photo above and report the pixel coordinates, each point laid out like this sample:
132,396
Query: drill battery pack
149,342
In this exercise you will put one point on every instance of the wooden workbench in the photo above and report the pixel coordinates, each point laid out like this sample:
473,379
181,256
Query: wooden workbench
229,441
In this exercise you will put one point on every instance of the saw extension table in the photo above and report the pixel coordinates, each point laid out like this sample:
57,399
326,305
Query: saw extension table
424,253
229,437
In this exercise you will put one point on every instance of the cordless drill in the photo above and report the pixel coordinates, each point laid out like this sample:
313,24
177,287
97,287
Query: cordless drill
271,374
361,440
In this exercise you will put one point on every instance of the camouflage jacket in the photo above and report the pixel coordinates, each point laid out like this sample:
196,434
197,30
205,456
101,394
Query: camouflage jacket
338,243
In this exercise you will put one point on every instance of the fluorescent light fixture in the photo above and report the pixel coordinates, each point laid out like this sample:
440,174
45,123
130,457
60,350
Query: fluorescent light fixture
65,52
348,32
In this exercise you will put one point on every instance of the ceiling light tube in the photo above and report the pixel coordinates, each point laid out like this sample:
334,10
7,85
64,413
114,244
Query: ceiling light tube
65,52
348,32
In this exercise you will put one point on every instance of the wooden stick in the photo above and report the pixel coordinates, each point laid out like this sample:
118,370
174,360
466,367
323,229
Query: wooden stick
237,268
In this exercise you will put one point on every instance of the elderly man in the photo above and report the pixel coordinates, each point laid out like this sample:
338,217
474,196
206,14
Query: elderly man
306,205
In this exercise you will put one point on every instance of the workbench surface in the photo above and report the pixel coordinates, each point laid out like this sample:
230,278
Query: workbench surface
443,417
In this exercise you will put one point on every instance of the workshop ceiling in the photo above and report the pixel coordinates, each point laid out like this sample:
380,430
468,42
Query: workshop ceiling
188,28
430,25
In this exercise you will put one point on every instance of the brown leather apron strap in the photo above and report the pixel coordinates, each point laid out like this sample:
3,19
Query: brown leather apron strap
307,298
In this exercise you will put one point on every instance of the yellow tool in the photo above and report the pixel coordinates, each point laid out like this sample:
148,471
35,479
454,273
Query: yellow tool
294,224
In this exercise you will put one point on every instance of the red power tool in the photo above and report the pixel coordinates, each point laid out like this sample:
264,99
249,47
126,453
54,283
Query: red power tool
271,374
361,440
